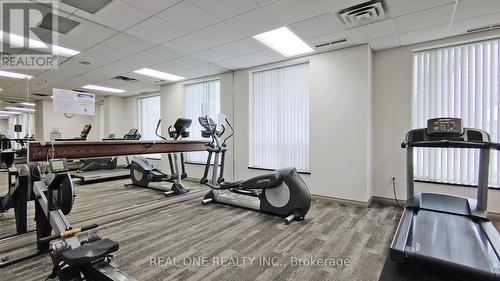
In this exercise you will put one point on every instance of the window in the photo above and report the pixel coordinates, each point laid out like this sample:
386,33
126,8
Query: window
148,112
201,99
458,81
279,118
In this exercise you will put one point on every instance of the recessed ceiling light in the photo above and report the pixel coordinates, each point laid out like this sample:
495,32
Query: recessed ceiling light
284,41
104,89
17,40
14,75
28,103
158,74
20,108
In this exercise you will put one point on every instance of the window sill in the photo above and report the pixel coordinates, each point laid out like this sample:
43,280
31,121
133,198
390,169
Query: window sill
268,169
454,184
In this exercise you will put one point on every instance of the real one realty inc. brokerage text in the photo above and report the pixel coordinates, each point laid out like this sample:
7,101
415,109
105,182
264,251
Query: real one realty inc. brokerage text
222,261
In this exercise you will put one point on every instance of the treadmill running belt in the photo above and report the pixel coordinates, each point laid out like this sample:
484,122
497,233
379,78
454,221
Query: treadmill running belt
456,240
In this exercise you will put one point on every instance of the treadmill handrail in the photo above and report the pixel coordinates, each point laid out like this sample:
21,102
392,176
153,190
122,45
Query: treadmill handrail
447,143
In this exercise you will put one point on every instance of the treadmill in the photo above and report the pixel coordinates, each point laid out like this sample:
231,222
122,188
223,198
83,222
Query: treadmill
444,230
105,168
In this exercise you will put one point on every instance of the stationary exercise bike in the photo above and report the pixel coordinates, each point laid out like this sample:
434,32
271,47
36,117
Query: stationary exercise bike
143,174
282,193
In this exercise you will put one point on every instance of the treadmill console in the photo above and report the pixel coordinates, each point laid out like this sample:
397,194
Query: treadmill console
58,165
445,127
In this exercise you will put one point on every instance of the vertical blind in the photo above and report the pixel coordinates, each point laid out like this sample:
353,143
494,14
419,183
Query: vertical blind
149,113
201,99
279,118
459,81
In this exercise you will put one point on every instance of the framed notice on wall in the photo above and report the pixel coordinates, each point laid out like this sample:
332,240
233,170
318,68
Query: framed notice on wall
68,101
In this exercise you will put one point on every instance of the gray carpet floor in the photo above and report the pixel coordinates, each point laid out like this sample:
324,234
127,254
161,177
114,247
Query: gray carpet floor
92,200
354,236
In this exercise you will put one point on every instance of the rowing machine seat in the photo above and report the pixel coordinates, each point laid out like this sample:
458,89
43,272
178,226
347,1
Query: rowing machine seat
90,252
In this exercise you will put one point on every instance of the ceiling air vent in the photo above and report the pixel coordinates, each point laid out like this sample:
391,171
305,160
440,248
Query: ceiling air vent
483,28
89,6
361,14
40,95
124,78
331,44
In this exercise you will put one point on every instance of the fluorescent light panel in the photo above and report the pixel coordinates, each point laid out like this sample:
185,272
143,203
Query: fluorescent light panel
284,41
28,103
20,108
104,89
159,74
8,112
18,40
14,75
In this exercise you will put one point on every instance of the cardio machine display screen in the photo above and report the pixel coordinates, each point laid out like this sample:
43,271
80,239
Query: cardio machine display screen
444,126
58,165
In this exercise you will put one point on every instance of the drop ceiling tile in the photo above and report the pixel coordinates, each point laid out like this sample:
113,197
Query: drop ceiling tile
384,43
202,71
220,33
265,2
152,56
231,50
188,16
254,22
122,13
127,43
249,60
475,8
460,27
100,55
396,8
89,32
179,64
290,11
152,6
157,30
224,9
435,16
337,5
423,35
372,31
317,26
189,44
6,82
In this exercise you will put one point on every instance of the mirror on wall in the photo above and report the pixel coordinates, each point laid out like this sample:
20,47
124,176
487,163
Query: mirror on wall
17,127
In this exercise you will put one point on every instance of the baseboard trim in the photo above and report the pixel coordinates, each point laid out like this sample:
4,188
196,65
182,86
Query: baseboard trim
388,201
343,201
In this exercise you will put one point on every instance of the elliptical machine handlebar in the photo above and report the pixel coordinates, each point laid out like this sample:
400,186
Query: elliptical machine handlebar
156,131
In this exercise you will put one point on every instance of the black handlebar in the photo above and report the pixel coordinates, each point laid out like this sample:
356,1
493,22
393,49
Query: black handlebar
68,233
451,144
156,131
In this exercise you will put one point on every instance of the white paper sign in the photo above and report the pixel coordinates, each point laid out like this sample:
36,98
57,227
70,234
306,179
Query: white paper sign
67,101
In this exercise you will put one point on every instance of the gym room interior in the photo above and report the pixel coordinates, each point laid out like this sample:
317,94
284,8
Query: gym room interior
250,140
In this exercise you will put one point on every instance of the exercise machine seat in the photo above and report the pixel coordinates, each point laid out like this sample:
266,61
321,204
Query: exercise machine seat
89,252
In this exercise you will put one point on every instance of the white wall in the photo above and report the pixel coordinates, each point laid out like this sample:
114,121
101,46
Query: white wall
69,127
392,86
172,107
4,126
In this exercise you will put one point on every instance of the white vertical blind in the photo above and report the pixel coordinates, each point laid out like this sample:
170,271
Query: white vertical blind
460,81
279,118
149,113
207,95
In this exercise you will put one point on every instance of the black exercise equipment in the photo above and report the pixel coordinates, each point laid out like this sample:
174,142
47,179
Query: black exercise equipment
72,259
83,134
443,230
143,174
282,193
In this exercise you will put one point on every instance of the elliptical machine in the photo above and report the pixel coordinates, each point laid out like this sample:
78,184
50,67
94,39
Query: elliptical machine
143,174
282,193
